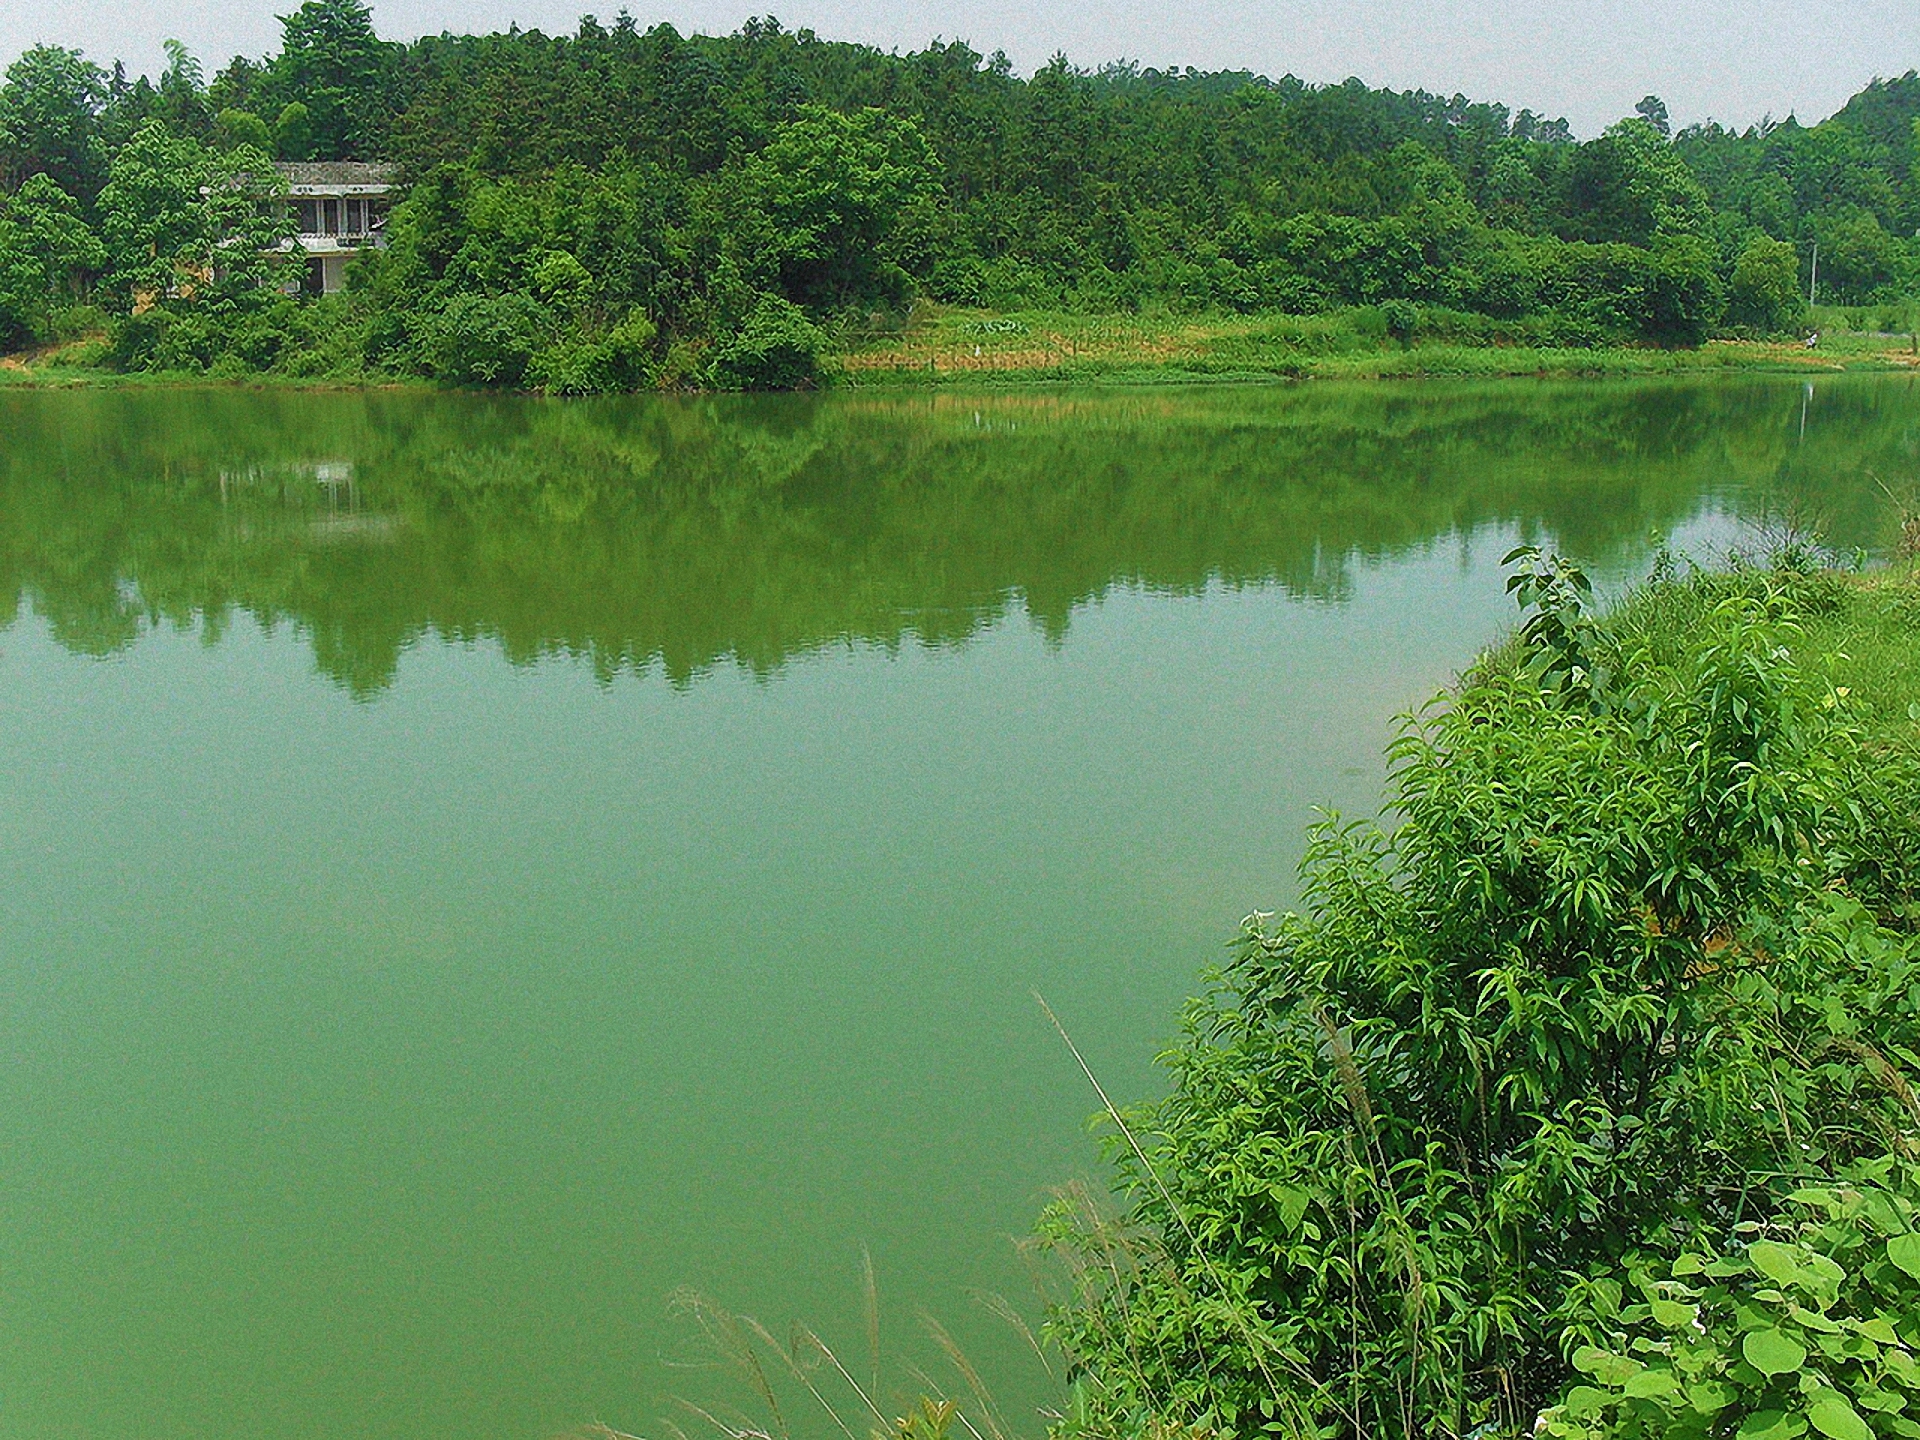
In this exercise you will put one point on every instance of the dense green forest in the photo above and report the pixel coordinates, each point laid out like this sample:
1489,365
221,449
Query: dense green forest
625,207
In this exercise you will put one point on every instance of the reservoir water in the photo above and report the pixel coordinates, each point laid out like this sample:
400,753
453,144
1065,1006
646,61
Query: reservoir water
471,868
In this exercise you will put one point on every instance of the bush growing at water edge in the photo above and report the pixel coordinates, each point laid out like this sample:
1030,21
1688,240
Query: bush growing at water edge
1634,966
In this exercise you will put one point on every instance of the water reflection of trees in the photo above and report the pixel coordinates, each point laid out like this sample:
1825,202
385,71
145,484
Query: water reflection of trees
685,533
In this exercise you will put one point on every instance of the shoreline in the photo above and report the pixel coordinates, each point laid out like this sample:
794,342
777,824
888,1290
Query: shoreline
1129,366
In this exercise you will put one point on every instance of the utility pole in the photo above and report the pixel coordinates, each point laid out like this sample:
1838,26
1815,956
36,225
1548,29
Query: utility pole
1813,276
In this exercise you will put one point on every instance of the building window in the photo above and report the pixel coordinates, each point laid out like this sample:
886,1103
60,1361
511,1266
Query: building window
330,217
308,216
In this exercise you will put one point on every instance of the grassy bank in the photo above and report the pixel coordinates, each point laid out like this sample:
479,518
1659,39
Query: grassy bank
943,346
954,346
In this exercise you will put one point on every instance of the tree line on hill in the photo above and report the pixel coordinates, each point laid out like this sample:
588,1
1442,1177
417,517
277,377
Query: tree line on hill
626,207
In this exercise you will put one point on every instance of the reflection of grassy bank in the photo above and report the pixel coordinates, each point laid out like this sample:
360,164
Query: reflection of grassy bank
687,532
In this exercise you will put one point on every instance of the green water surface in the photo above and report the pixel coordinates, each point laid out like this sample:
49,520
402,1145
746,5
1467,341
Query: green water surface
472,867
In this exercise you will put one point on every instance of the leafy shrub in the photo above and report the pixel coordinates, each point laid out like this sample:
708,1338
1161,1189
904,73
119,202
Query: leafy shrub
1559,635
76,322
486,339
562,281
260,339
1613,963
777,348
620,361
1685,298
1808,1325
16,324
1765,291
162,340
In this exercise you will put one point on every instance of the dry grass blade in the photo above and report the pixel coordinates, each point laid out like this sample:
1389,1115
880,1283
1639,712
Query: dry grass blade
722,1328
826,1351
1255,1347
790,1357
988,1411
1883,1071
870,1300
997,1306
741,1431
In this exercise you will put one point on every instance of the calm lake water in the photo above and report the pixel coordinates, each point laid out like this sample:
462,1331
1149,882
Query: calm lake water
471,867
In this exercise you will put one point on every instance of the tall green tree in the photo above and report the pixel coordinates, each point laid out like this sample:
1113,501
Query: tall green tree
1765,289
182,99
47,255
1630,185
831,188
181,223
50,121
333,63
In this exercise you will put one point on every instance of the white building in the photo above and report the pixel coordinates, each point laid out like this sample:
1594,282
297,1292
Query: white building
340,208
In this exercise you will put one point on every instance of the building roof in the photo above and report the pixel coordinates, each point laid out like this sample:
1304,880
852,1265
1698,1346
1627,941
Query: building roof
334,172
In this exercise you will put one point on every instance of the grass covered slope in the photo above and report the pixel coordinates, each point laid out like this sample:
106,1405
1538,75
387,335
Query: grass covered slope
1629,977
941,346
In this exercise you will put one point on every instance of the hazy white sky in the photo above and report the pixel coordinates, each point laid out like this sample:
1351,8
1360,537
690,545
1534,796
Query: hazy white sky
1590,60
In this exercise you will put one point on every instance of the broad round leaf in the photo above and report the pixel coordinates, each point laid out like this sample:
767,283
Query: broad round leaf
1710,1397
1584,1401
1770,1425
1833,1417
1904,1251
1773,1352
1779,1263
1604,1366
1672,1315
1651,1385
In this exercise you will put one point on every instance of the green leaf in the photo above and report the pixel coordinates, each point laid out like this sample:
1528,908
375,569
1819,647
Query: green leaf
1651,1384
1583,1401
1773,1352
1779,1263
1818,1195
1833,1417
1604,1366
1770,1425
1710,1397
1672,1315
1902,1366
1814,1320
1904,1251
1292,1204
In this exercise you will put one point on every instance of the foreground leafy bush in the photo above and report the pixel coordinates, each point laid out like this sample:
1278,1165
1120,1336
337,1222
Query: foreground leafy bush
777,348
1809,1325
1631,967
487,339
164,340
619,361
